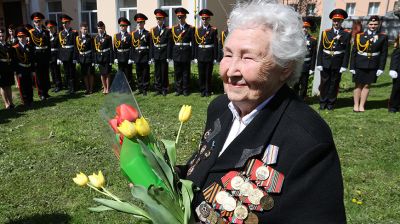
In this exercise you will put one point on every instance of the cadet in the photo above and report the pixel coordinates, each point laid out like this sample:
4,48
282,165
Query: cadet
40,38
67,38
333,58
140,53
6,72
84,55
23,65
122,48
368,60
221,42
309,61
160,52
183,52
104,57
206,51
394,102
55,63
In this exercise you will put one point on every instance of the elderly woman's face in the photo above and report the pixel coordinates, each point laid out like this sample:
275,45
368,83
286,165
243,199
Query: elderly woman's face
247,69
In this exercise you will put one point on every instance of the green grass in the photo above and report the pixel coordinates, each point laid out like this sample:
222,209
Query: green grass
41,149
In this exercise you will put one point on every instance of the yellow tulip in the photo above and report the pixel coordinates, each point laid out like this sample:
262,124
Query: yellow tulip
185,113
81,179
97,180
127,128
142,127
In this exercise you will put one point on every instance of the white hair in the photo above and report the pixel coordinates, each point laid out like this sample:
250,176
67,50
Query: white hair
287,41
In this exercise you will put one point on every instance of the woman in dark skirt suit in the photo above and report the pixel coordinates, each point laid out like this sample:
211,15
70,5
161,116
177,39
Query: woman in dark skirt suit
6,73
103,55
368,61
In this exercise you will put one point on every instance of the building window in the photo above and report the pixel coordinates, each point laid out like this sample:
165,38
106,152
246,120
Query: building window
169,7
350,8
373,8
54,8
310,10
294,6
89,14
128,9
396,5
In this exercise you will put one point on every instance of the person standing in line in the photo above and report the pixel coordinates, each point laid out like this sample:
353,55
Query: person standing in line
368,60
160,52
206,51
333,59
221,41
6,72
84,54
103,55
394,101
55,63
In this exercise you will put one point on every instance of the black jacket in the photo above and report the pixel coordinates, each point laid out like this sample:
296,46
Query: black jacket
103,49
84,51
140,46
160,43
67,41
122,46
309,60
334,43
54,48
182,43
206,44
41,44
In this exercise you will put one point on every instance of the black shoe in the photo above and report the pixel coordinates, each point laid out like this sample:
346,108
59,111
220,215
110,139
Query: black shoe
157,93
164,93
42,98
208,94
202,94
393,110
145,93
330,107
57,89
322,106
12,106
178,94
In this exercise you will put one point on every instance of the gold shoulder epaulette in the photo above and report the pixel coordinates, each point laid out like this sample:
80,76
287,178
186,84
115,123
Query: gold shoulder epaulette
15,46
328,29
347,30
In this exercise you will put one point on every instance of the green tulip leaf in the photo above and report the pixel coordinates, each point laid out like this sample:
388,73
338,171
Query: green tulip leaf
100,208
171,151
124,207
187,195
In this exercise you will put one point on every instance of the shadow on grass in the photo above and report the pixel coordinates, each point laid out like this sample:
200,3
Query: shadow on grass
55,218
375,85
370,104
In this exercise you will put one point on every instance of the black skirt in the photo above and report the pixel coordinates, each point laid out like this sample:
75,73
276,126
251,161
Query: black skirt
6,78
365,76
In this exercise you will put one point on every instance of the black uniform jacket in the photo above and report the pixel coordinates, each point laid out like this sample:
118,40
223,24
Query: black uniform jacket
54,48
312,191
84,51
23,60
330,45
160,43
122,46
309,60
140,46
67,41
221,43
206,44
41,43
6,55
103,49
182,43
395,60
365,46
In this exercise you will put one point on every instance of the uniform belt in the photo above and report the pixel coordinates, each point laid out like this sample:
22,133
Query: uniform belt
142,48
368,54
160,45
85,52
24,65
206,46
54,49
5,60
123,50
67,46
104,50
182,44
333,52
40,48
307,59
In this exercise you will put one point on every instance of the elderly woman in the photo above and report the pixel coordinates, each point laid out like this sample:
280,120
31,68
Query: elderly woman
265,156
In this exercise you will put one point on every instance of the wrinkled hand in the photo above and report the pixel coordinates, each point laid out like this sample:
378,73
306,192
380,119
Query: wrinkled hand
320,68
116,61
310,72
393,74
130,62
342,69
352,71
379,72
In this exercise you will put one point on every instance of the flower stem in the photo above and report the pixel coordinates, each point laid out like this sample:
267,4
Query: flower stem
179,132
106,193
111,195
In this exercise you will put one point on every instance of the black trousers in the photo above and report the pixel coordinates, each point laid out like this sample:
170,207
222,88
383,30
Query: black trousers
301,87
143,76
42,78
182,76
127,70
329,86
394,101
161,75
205,76
70,73
25,86
55,72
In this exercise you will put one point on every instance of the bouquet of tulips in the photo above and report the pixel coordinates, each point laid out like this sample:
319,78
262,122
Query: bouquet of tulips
146,162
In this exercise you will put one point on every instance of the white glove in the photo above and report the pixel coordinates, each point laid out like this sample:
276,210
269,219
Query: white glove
130,61
115,61
379,72
151,61
194,61
111,63
59,62
353,71
74,61
169,60
92,64
96,65
342,69
310,72
215,62
320,68
393,74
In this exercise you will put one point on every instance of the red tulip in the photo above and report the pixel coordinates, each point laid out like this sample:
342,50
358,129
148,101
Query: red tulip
114,124
127,112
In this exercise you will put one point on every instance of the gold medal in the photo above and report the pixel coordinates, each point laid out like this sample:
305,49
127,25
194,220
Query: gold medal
252,218
236,182
262,173
245,188
241,212
255,196
267,202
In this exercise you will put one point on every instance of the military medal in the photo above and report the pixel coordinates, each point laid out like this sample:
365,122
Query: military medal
252,218
267,202
245,188
236,182
241,212
212,218
255,196
229,204
262,173
203,211
221,197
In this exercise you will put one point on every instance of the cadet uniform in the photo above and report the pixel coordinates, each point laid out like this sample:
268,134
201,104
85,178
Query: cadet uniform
103,56
84,55
206,52
67,38
182,52
221,43
6,72
160,53
309,60
40,38
394,102
122,51
140,54
55,69
333,59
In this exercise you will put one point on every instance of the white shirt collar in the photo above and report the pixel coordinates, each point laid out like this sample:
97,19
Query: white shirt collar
370,32
22,45
248,117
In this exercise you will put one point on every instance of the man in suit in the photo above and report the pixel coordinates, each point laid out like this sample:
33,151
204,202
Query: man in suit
182,52
309,60
333,59
206,51
160,52
140,53
40,38
265,156
55,63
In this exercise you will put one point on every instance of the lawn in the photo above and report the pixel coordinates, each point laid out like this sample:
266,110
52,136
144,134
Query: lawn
41,149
